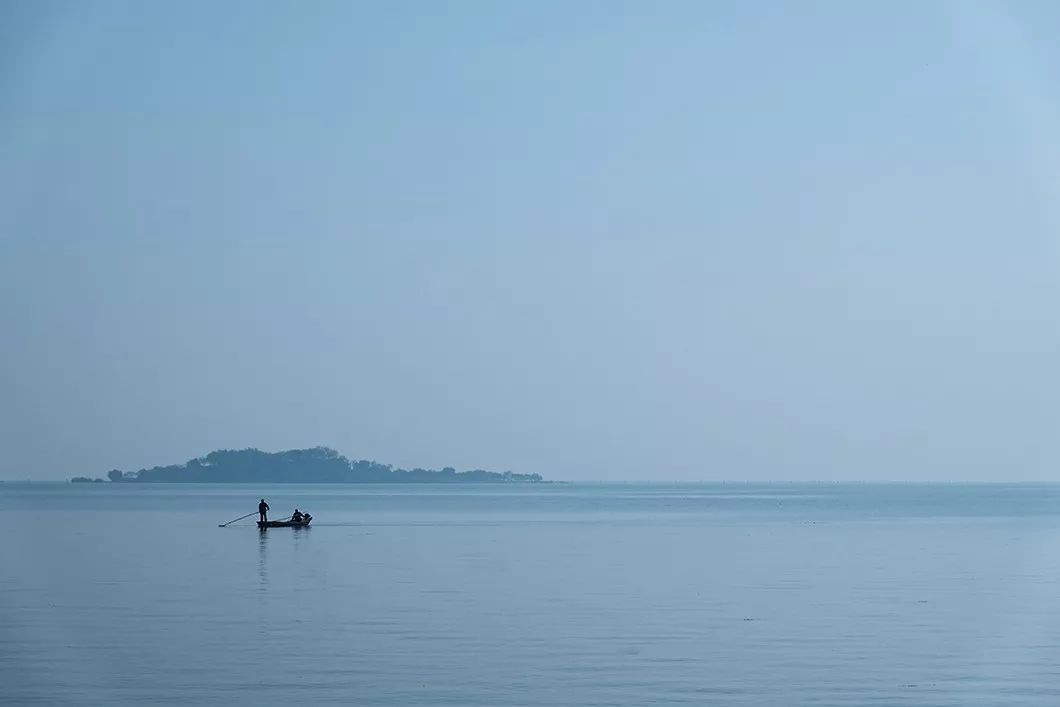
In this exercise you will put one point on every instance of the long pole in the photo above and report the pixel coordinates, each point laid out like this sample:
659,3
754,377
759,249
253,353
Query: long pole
233,521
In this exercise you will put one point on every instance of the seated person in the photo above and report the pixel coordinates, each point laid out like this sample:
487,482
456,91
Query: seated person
297,516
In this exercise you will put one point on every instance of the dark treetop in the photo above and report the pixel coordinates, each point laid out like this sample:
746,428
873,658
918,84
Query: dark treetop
317,465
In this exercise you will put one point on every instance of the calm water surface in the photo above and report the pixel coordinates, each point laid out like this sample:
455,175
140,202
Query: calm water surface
538,595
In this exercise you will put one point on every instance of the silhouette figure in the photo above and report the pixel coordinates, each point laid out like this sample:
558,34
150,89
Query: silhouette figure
297,516
263,510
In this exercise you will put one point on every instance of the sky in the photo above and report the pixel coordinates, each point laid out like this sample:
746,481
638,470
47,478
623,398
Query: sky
592,240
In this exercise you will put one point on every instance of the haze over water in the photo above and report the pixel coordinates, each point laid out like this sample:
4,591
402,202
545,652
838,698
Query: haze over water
597,241
818,594
604,240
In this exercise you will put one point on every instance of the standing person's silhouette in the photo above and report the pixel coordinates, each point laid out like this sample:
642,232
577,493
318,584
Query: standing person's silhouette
263,511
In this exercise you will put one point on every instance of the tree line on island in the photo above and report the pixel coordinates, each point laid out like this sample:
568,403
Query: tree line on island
316,465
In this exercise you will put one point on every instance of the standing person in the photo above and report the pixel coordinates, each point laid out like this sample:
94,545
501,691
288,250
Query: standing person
263,511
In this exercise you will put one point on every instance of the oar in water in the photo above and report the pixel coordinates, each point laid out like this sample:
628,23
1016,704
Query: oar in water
233,521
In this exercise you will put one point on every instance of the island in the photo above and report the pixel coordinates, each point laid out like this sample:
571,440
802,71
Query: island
303,466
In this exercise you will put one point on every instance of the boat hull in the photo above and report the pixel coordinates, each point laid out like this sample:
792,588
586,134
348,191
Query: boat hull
283,524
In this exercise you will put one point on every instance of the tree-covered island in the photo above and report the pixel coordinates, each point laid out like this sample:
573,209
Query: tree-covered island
303,466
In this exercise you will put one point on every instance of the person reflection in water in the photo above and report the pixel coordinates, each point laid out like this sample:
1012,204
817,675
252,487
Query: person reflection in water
263,511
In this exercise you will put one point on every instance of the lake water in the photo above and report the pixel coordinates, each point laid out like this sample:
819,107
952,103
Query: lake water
757,595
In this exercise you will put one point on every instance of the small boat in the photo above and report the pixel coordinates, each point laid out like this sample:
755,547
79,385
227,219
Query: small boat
285,523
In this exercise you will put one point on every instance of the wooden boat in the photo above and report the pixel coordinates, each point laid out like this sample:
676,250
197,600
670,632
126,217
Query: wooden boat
285,523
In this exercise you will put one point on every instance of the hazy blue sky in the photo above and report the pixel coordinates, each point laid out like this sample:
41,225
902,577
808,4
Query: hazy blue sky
647,240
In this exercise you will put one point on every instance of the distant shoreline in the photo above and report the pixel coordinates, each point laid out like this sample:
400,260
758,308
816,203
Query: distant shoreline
318,465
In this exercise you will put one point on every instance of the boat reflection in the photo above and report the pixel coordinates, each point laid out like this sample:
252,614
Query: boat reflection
263,575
